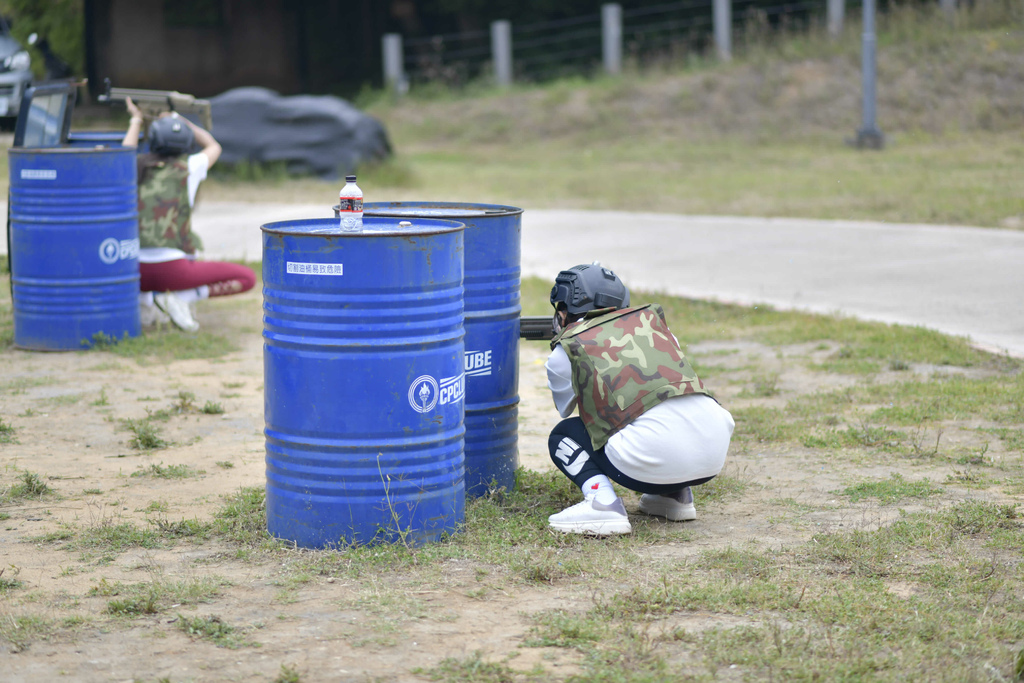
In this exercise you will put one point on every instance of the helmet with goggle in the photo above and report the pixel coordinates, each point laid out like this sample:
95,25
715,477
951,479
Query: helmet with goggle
588,287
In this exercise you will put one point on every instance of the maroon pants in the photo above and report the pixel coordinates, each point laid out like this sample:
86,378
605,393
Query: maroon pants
222,278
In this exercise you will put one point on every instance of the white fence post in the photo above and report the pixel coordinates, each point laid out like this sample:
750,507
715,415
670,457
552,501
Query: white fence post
722,14
501,52
611,38
836,13
394,71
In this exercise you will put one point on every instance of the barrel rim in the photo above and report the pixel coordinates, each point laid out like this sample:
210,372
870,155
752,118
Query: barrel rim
441,227
69,150
483,210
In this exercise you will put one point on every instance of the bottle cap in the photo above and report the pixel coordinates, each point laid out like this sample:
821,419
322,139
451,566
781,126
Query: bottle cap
350,179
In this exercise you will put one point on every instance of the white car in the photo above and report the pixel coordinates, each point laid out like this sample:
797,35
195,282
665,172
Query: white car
15,73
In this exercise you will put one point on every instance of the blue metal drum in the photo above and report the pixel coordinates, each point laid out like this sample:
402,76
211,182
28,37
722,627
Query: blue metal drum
493,239
74,246
364,388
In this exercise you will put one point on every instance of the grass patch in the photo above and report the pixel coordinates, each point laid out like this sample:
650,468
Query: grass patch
7,432
134,606
115,538
20,630
185,528
212,408
473,668
28,485
995,399
891,490
156,597
165,345
9,583
1013,439
161,471
145,435
105,539
288,674
824,610
243,517
762,386
507,529
215,630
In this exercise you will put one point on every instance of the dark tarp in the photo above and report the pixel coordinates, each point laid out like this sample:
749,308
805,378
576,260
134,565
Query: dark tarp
319,134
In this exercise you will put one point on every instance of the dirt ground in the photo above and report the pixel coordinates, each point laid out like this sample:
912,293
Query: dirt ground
67,408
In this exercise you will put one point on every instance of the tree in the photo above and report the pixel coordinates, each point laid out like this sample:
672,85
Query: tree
60,22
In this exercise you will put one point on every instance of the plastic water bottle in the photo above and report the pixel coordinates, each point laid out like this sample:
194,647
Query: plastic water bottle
350,206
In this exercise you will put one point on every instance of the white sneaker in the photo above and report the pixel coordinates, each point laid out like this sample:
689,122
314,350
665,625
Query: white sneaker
150,315
169,303
678,507
591,517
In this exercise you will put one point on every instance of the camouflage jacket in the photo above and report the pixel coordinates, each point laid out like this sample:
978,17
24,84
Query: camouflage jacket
624,362
165,216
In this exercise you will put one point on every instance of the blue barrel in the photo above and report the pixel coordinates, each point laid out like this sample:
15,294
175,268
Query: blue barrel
364,390
74,246
493,239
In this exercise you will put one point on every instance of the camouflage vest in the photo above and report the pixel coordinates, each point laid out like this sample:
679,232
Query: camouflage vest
165,217
624,362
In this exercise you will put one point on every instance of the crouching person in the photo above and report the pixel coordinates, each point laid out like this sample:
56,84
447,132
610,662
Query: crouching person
645,421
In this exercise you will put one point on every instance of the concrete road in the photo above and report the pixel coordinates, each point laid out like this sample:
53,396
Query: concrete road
959,280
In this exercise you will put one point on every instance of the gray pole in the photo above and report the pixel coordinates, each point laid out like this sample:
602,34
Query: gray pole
501,52
948,6
721,13
836,14
611,38
394,73
869,136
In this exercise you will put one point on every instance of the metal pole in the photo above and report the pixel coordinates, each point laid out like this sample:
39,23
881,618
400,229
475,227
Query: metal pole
394,73
611,38
722,16
948,6
501,52
836,13
869,136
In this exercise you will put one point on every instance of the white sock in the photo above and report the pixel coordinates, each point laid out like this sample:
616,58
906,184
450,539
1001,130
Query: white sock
601,487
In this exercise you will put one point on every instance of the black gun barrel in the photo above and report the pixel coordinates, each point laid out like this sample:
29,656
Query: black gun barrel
538,328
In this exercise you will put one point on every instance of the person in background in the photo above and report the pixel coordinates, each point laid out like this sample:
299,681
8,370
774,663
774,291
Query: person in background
172,280
645,421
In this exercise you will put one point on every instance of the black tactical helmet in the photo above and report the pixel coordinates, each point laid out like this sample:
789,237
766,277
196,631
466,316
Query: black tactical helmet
587,287
170,136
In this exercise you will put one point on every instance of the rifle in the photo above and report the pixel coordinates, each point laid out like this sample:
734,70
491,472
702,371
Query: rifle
152,103
536,328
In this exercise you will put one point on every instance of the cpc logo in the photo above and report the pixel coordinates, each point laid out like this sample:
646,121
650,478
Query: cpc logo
112,249
425,392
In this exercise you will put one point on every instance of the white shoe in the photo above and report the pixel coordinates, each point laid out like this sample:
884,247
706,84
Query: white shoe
150,315
169,303
591,517
678,507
